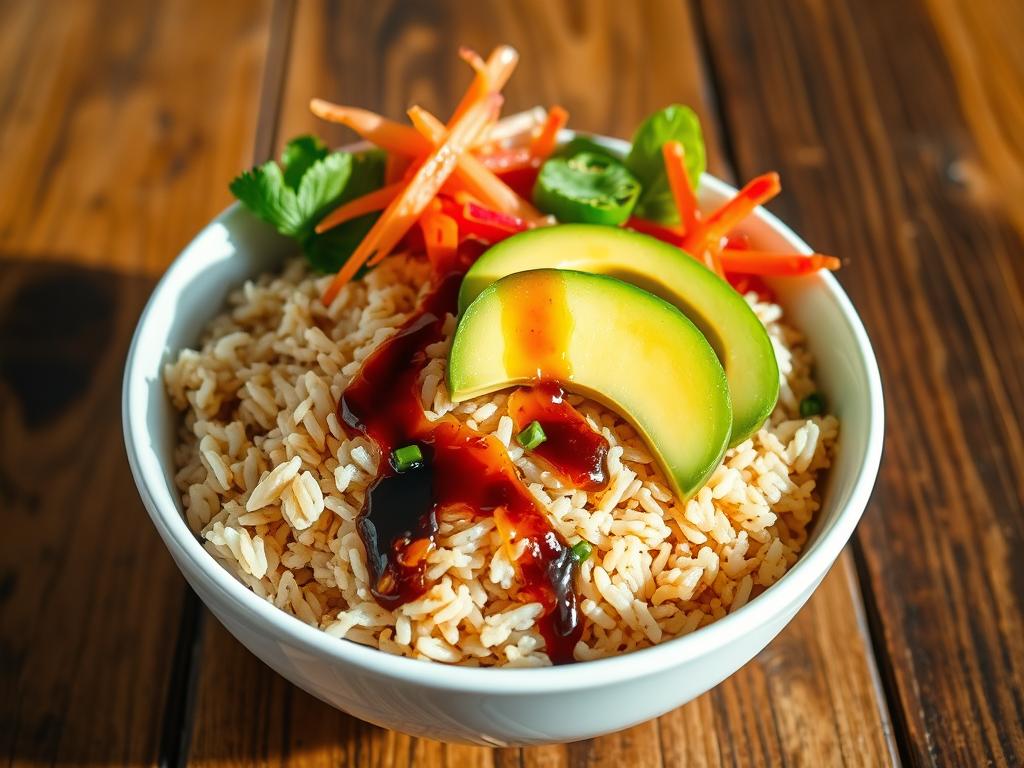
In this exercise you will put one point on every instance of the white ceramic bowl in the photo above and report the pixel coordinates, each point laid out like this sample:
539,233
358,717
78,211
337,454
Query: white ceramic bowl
493,706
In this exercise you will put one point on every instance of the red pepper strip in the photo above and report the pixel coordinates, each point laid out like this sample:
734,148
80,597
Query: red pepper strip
744,284
482,223
679,181
667,234
478,213
767,263
544,144
716,226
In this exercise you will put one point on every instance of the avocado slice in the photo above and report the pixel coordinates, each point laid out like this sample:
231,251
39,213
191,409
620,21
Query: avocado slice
607,340
724,317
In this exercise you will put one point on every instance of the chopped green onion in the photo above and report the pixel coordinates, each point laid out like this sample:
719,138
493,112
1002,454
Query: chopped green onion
532,436
407,457
582,550
812,405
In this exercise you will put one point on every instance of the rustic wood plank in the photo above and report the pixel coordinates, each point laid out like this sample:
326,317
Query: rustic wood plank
896,128
811,698
115,118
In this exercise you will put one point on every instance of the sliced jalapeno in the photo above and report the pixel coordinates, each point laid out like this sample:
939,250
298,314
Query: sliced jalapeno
587,187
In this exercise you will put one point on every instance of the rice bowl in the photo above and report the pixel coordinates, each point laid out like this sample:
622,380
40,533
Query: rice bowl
548,442
260,428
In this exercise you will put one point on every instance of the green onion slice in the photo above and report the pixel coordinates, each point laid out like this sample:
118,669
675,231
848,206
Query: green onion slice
582,550
407,457
532,436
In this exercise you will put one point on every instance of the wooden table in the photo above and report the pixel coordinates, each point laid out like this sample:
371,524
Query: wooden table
897,128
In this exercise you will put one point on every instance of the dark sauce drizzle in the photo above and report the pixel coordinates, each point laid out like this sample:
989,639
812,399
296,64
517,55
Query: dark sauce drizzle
573,450
462,469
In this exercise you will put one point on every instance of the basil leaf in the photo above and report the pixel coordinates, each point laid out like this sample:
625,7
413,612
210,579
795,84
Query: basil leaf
674,123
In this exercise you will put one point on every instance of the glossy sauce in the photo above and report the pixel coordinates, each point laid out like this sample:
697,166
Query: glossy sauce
537,326
462,469
573,450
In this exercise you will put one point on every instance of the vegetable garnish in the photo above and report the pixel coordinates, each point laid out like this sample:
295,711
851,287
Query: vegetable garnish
544,144
295,195
407,457
812,405
403,211
679,182
646,162
747,262
349,211
473,174
377,200
588,188
582,550
532,436
755,192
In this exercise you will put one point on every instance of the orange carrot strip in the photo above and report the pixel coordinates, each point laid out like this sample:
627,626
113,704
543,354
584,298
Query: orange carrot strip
386,134
544,144
441,237
372,201
506,160
403,211
490,76
748,262
710,232
679,181
478,181
395,167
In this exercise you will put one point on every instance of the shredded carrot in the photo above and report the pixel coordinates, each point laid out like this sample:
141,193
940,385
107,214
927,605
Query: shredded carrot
441,238
403,211
747,262
373,201
490,77
508,160
544,144
386,134
716,226
478,181
679,181
395,167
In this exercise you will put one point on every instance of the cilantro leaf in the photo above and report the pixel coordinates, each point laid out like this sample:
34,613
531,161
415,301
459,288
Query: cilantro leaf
310,181
263,191
299,154
674,122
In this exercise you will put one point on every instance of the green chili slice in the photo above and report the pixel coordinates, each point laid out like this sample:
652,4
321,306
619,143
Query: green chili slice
587,187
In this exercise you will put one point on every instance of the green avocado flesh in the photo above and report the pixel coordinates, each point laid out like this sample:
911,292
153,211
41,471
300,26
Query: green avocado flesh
723,316
609,341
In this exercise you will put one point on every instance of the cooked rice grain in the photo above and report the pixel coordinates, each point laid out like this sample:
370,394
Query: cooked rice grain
273,485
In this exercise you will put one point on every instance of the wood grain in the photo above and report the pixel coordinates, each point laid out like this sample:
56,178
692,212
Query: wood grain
896,129
812,697
118,124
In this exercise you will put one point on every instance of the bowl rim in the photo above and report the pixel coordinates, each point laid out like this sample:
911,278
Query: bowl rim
800,579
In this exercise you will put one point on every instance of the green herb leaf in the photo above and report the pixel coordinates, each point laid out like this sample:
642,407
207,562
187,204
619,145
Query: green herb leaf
298,156
674,123
263,191
311,181
329,251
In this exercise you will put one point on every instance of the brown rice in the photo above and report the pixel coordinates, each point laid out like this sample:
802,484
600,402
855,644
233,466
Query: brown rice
272,484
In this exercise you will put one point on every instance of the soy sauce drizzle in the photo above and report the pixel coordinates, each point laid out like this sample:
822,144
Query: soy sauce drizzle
462,469
572,449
